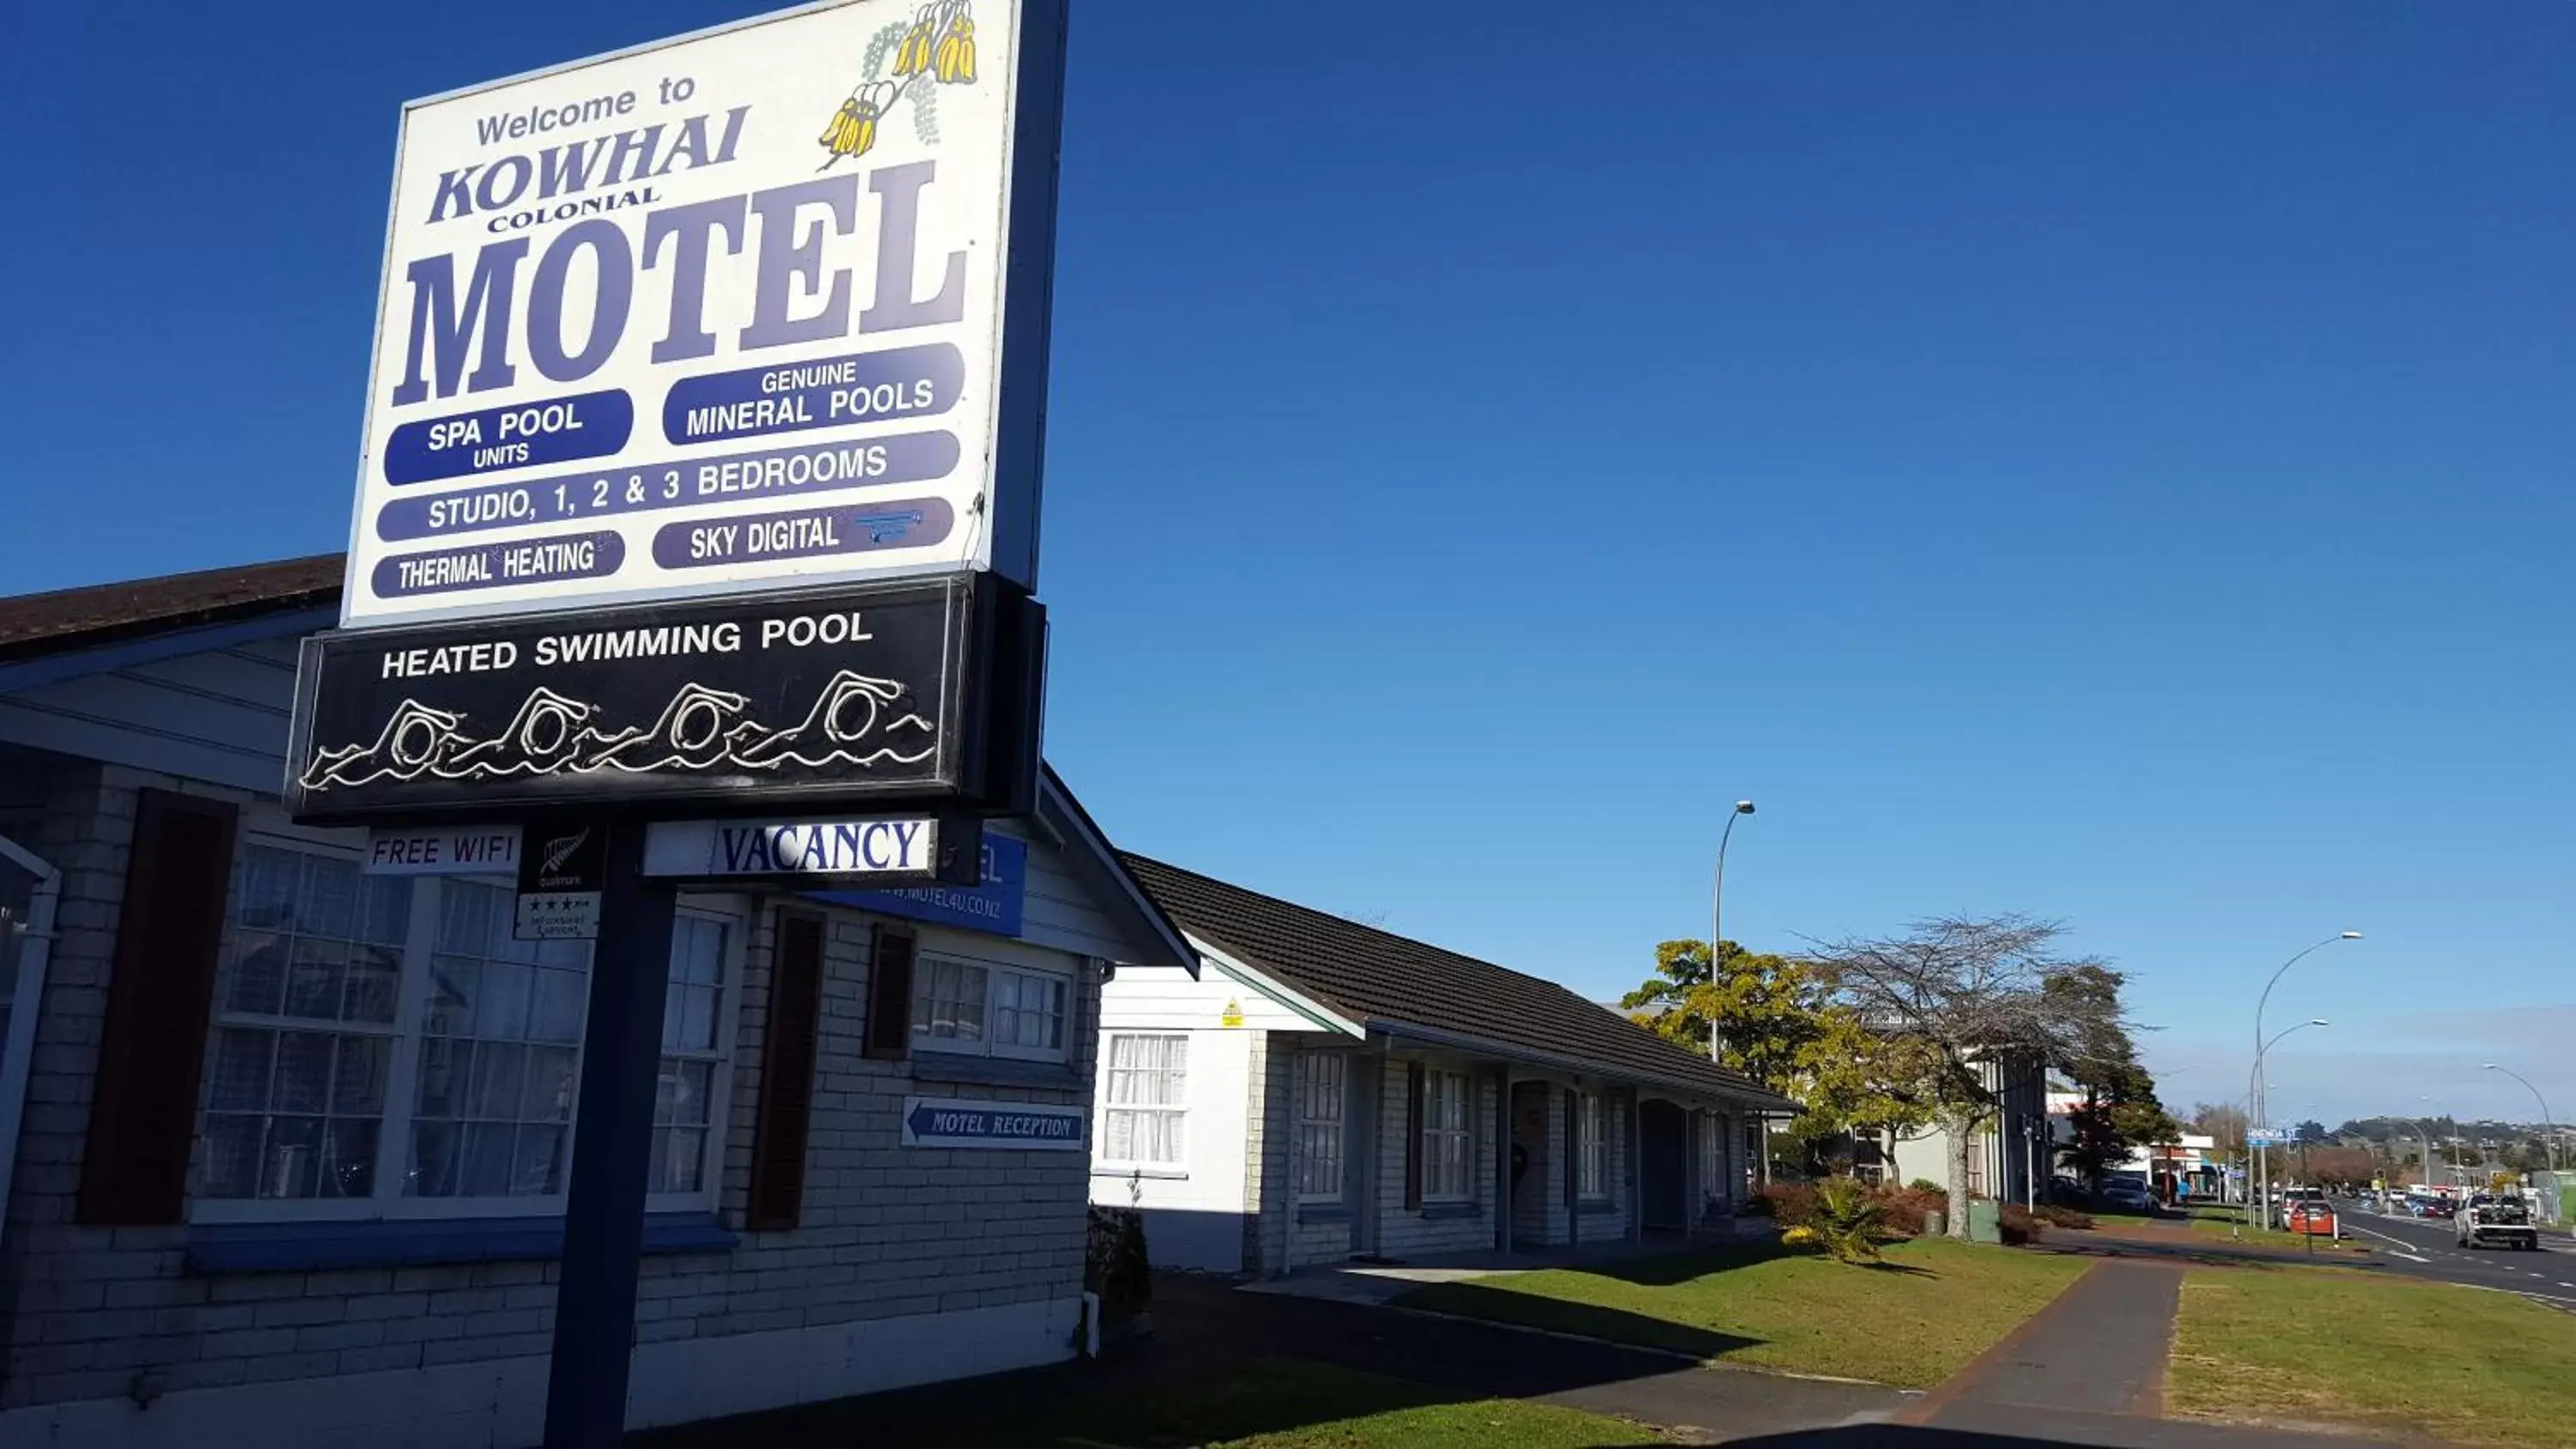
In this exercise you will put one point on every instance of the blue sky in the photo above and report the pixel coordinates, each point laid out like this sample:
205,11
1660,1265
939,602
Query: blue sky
2106,466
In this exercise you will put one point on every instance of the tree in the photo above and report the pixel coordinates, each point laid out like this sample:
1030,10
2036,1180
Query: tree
1955,994
1777,1023
1765,1009
2310,1133
2223,1123
2120,1112
2343,1167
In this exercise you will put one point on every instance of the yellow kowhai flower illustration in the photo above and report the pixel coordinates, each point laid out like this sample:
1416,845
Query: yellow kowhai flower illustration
956,60
913,56
853,128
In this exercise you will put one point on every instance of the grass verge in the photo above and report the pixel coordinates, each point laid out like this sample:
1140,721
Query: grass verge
1289,1404
1268,1404
2256,1237
1914,1321
2325,1345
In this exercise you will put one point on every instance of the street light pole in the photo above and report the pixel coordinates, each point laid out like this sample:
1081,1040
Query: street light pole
2260,1107
1716,924
2256,1090
1717,910
2548,1134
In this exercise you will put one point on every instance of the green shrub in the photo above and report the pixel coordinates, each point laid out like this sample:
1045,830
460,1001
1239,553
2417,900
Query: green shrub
1847,1220
1925,1184
1115,1265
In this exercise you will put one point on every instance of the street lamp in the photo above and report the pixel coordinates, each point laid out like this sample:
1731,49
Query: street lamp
1717,914
2548,1133
2257,1088
1716,924
2260,1107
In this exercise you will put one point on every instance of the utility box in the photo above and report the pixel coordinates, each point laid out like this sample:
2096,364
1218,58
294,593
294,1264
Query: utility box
1985,1220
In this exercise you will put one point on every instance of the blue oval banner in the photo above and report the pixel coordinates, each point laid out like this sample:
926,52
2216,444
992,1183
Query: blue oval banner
521,435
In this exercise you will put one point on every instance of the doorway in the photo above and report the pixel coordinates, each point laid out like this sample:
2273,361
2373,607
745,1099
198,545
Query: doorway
1663,1165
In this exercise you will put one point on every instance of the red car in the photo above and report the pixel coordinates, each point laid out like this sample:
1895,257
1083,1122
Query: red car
2314,1219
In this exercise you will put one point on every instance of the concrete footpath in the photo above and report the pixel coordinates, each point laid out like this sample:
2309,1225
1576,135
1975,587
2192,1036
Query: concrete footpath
2087,1369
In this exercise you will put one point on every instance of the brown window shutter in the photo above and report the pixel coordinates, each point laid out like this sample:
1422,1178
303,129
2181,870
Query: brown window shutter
160,987
1412,1135
889,1031
786,1109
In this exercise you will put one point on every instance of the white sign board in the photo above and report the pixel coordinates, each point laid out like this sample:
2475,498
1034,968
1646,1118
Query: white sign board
718,315
457,850
1020,1126
718,849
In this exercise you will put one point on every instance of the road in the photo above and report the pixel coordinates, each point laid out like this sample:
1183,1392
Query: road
2428,1248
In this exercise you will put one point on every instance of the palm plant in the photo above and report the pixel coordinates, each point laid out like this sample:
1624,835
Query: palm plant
1847,1220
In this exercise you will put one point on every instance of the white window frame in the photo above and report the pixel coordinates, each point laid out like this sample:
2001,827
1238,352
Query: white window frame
388,1202
995,959
1178,1110
1592,1147
1443,1089
735,916
1308,1108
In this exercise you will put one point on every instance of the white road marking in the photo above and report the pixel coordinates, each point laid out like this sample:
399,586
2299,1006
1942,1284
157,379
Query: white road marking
2400,1242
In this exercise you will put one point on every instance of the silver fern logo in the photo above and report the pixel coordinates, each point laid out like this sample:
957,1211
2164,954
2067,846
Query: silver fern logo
561,849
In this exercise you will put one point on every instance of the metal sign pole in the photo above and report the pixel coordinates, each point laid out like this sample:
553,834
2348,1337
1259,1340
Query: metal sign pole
611,1153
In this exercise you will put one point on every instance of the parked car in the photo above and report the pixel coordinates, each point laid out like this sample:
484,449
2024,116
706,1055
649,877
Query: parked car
2313,1218
2127,1195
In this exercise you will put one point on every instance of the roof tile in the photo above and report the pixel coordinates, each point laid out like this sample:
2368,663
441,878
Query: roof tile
1376,976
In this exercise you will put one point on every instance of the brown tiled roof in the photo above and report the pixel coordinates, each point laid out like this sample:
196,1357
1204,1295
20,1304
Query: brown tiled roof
33,624
1388,981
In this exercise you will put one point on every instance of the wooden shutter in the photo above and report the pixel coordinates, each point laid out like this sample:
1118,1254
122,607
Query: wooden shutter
786,1101
889,1028
1412,1135
160,987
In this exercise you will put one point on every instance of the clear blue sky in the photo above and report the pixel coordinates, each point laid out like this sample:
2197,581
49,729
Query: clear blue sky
2113,466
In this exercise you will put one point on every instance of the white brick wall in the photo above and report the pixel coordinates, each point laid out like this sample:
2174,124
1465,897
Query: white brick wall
99,1314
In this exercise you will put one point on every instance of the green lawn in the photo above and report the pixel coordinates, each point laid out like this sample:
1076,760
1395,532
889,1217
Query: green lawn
2328,1345
1289,1404
2260,1237
1271,1404
1934,1306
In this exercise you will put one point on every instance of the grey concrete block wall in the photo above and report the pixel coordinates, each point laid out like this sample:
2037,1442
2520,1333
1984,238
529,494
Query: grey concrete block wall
887,1231
1276,1238
1415,1233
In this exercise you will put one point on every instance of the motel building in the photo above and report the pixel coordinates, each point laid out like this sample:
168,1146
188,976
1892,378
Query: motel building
284,1143
1319,1092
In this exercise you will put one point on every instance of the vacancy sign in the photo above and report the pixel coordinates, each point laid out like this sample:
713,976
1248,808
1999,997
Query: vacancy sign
714,316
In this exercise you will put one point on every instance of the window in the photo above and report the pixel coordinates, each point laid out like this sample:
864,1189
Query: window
988,1008
382,1046
1147,1109
500,1054
303,1049
693,1040
1447,1101
1318,1141
1592,1146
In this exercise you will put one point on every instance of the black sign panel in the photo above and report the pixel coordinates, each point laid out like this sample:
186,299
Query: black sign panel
869,693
